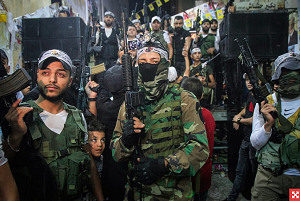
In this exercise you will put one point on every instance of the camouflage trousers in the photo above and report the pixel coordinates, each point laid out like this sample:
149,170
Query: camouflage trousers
182,191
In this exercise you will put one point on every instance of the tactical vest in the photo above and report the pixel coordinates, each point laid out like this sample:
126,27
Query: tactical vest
110,45
62,152
164,131
179,40
207,92
287,153
207,42
160,37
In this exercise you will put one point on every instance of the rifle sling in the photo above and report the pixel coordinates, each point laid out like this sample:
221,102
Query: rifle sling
260,76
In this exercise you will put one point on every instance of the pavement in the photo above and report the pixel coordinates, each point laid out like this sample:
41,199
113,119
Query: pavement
221,187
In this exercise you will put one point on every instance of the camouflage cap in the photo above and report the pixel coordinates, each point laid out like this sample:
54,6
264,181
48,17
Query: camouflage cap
289,61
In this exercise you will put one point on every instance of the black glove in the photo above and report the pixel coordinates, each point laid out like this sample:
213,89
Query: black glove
149,170
129,137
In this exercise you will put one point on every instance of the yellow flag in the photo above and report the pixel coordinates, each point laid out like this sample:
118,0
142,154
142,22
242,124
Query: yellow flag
208,16
151,7
220,14
188,22
137,16
2,17
158,2
142,11
166,1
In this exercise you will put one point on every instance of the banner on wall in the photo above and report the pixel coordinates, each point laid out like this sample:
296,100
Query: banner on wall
208,10
251,5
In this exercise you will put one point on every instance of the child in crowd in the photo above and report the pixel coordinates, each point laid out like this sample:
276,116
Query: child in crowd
96,139
97,142
202,180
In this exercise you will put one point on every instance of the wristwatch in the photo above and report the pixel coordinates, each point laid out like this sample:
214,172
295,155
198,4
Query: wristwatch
239,120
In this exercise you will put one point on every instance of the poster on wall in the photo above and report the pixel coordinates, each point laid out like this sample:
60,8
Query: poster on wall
79,8
293,39
209,10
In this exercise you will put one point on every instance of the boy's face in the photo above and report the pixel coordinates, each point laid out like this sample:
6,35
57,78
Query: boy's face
97,142
248,84
132,32
196,56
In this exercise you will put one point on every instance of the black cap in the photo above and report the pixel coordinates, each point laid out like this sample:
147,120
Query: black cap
206,20
214,20
3,54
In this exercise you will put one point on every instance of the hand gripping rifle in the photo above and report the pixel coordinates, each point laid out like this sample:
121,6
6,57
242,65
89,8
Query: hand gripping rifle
250,67
9,86
133,98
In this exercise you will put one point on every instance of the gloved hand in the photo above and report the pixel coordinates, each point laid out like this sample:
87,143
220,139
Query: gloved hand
133,129
149,170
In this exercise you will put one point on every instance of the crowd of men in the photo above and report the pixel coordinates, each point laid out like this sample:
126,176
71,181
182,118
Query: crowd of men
161,151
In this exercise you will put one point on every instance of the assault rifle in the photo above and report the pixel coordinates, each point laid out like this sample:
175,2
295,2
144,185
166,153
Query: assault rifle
250,67
146,16
9,86
82,99
91,42
86,71
133,98
197,22
133,12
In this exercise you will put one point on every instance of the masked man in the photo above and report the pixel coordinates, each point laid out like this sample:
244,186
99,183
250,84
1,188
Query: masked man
277,140
166,143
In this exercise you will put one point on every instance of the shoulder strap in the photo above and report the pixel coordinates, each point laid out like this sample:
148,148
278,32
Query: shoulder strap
77,115
201,115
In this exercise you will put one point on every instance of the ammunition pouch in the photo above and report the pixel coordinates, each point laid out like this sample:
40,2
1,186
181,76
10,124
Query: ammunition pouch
72,173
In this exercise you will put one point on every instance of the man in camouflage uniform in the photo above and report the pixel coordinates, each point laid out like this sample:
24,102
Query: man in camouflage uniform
169,135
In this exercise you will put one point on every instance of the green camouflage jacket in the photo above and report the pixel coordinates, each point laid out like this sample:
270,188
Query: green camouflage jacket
173,130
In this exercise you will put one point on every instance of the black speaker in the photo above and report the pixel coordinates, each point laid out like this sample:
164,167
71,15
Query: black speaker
42,34
263,46
267,34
